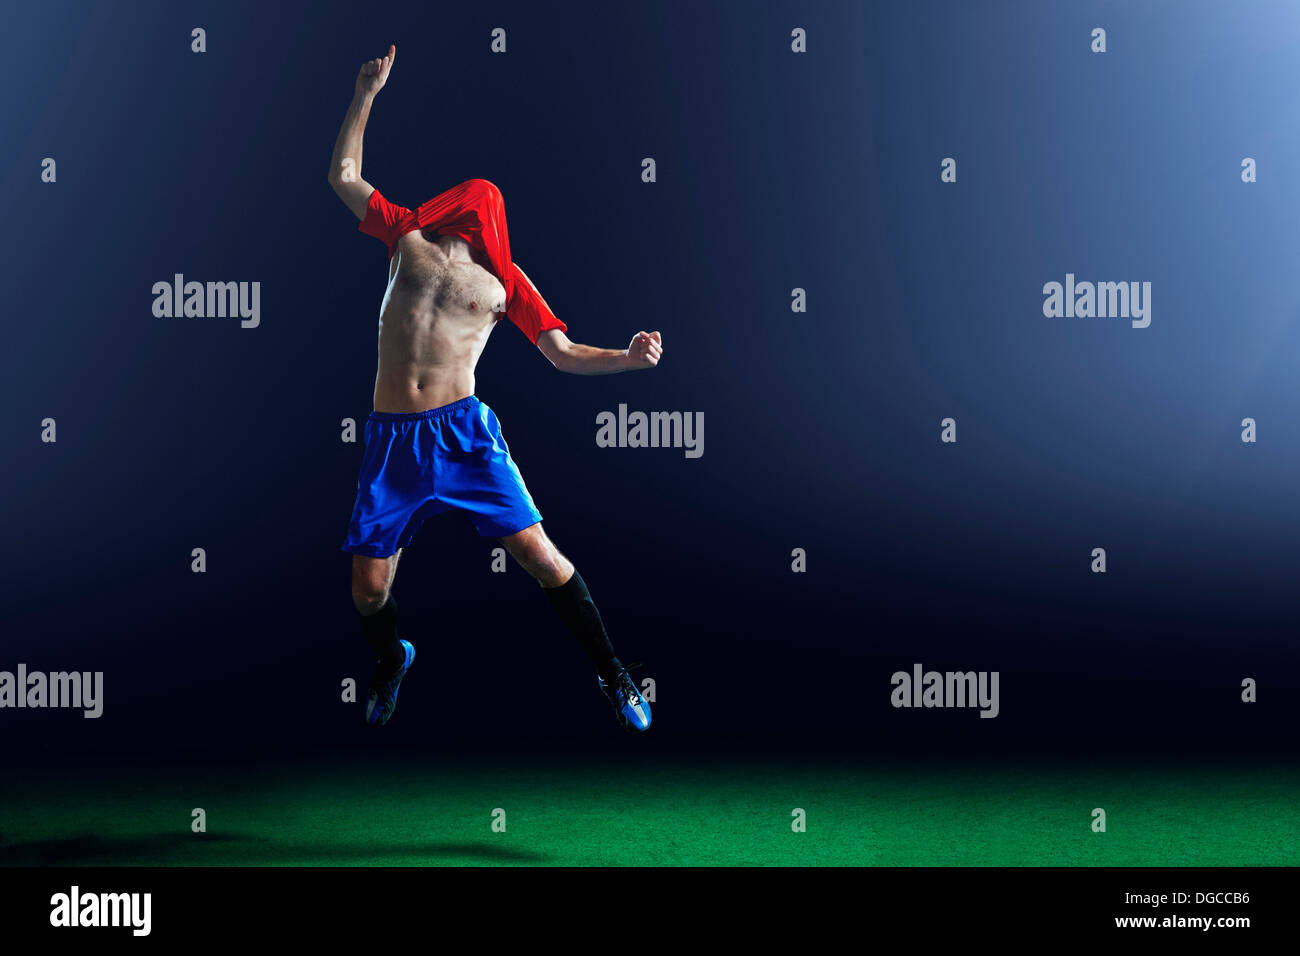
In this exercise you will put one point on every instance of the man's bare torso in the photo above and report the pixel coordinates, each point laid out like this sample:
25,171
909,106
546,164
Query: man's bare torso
439,309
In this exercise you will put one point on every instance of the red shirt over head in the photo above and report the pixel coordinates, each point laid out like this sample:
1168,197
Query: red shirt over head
475,212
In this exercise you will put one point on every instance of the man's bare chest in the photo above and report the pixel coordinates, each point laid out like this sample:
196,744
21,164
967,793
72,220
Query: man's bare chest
441,274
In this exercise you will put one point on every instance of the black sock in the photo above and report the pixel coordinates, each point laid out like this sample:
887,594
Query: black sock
574,605
380,629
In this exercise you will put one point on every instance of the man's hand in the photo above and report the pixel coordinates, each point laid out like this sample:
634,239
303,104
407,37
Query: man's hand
374,73
645,350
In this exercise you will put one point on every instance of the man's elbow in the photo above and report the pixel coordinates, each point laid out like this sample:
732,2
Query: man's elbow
557,353
353,193
569,363
560,360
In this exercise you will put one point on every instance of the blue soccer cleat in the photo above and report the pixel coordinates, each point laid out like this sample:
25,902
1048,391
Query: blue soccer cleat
632,710
383,692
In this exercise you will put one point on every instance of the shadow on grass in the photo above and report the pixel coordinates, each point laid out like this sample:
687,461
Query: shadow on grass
233,849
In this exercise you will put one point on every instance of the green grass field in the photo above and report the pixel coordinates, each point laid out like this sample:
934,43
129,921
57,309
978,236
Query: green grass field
648,810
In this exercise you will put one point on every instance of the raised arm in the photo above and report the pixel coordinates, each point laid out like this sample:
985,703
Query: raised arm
345,165
643,352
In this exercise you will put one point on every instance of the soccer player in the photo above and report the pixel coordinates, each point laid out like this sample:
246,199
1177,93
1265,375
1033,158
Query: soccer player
431,444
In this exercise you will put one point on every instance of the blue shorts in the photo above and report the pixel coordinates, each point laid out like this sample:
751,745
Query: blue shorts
421,464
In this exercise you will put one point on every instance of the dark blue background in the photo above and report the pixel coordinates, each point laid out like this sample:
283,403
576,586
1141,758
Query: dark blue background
775,171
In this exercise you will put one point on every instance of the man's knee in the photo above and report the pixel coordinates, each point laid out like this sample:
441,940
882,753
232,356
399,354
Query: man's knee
370,585
544,562
542,559
369,598
553,570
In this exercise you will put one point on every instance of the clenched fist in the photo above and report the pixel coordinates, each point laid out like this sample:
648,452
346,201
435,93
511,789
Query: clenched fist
645,350
374,73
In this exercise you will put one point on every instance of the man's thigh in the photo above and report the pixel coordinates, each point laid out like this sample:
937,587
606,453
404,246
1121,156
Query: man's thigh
524,545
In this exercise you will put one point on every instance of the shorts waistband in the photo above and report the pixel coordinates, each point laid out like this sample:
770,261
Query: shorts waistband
438,412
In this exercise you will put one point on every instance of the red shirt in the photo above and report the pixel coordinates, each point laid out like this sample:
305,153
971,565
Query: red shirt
475,212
